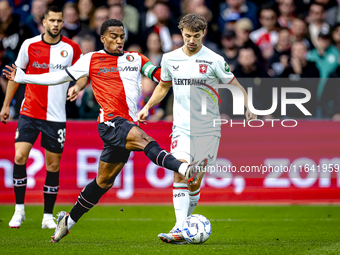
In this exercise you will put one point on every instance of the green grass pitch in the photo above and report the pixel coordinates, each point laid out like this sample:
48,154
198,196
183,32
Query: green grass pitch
235,230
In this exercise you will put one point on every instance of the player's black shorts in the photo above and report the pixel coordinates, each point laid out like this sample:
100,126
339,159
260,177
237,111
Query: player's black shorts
52,133
114,133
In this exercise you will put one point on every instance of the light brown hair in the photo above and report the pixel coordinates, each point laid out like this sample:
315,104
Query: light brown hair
193,22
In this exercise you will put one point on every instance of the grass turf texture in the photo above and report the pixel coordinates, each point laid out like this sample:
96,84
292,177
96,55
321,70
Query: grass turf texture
235,230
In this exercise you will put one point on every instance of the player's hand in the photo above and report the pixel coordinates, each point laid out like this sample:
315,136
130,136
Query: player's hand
142,115
73,93
4,114
250,115
10,75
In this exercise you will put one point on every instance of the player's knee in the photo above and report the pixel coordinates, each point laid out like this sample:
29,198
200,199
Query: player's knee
106,181
20,158
52,166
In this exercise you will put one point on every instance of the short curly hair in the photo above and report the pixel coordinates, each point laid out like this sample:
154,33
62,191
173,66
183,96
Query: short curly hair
110,23
193,22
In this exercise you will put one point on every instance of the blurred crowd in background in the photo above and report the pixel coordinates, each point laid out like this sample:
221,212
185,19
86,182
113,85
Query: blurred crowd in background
267,43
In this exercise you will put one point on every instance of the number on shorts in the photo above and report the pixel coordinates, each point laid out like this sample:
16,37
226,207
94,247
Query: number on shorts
61,133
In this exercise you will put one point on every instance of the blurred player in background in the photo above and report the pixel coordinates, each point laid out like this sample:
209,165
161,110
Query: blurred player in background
43,110
115,76
193,136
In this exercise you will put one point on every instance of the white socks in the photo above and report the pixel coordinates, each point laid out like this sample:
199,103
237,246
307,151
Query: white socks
20,207
184,202
70,223
180,199
182,169
194,196
48,215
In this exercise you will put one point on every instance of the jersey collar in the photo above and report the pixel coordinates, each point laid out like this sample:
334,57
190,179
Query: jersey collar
42,38
114,54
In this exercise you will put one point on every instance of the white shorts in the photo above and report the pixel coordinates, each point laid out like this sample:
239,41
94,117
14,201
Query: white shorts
192,148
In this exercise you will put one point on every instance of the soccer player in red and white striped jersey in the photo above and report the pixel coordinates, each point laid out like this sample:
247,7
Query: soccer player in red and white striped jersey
115,76
43,110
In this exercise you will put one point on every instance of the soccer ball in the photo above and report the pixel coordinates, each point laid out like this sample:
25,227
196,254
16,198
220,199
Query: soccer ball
196,229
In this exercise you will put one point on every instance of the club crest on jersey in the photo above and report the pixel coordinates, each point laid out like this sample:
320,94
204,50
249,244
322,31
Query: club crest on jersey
64,53
130,58
203,68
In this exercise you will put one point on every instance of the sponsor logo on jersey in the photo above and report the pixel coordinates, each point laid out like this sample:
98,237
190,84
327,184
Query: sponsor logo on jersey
120,69
36,64
189,81
203,68
203,61
102,59
130,58
36,51
175,68
64,53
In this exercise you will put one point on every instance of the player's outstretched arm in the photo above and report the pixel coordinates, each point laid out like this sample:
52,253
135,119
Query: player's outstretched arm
19,76
249,115
157,96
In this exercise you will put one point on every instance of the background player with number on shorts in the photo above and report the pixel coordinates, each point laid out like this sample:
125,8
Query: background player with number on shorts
42,111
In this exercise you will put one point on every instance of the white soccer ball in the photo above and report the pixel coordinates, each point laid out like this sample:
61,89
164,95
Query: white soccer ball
196,229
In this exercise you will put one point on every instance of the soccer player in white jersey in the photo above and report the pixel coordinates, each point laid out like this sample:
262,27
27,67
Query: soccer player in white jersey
42,111
115,76
193,133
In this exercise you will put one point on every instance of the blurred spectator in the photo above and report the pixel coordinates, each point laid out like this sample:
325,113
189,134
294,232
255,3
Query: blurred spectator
21,8
130,15
72,24
250,74
279,60
164,26
154,49
86,11
230,49
297,68
177,41
148,18
231,21
330,99
325,56
148,86
12,32
241,7
3,82
135,47
266,37
87,44
189,6
100,15
336,35
331,11
299,32
116,12
286,9
34,19
211,36
243,28
248,65
316,22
